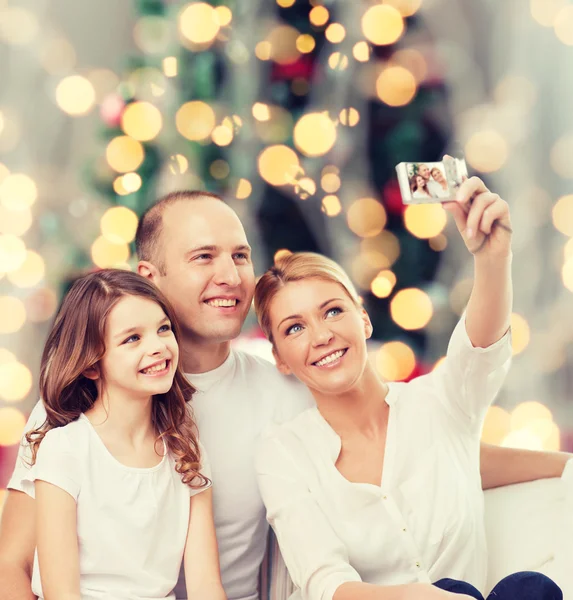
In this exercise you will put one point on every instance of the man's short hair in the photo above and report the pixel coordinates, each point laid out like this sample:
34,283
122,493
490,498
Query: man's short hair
149,228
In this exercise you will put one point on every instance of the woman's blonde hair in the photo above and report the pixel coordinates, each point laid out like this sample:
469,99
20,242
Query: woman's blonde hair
296,267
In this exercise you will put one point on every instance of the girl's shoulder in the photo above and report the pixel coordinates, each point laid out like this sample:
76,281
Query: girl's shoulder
71,437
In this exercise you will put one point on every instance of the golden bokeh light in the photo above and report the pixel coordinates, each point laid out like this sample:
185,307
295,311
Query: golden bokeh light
528,412
41,305
263,50
75,95
305,187
338,61
330,183
331,206
244,189
169,65
12,423
305,43
564,25
523,439
411,309
15,381
285,3
567,274
382,24
335,33
199,23
314,134
12,253
496,426
406,8
413,61
12,314
561,156
425,221
361,51
31,271
520,333
278,164
380,252
516,89
224,15
57,55
438,243
142,121
119,224
6,356
195,120
487,151
261,111
219,169
395,361
222,135
366,217
18,191
178,164
16,222
124,154
562,215
383,284
280,254
349,116
568,250
396,86
283,40
18,25
546,11
106,254
319,16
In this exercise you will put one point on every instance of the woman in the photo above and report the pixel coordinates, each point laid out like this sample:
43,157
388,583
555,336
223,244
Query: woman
375,493
419,187
443,191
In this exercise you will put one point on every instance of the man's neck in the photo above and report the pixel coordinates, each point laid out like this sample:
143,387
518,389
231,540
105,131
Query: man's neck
203,357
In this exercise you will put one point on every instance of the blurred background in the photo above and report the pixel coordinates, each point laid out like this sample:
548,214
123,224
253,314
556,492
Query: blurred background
297,111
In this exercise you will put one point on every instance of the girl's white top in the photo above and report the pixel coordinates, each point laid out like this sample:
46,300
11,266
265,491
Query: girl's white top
424,521
132,522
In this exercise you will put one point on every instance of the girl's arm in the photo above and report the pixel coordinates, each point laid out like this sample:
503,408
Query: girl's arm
58,554
201,560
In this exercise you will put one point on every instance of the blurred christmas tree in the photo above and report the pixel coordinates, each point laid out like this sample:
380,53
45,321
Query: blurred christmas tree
297,112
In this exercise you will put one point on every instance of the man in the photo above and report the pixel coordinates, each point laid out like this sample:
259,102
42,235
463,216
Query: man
433,186
194,248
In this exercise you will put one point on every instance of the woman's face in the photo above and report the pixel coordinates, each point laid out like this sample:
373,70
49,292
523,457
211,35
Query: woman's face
319,335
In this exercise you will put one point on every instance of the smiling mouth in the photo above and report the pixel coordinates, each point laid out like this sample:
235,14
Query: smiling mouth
157,369
331,358
222,302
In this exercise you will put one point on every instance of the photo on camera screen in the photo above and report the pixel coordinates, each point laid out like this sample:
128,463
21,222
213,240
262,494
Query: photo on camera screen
425,182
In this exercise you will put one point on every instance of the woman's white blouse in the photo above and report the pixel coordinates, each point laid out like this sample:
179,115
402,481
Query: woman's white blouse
425,521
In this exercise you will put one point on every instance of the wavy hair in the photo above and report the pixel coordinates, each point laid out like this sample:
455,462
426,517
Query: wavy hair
76,343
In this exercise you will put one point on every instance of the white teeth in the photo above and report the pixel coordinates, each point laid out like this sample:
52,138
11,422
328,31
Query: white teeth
330,358
217,302
160,367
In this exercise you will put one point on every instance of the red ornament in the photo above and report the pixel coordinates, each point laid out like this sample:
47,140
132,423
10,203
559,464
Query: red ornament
392,198
111,110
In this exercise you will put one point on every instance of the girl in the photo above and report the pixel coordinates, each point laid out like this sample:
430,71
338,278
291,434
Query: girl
121,482
375,493
419,187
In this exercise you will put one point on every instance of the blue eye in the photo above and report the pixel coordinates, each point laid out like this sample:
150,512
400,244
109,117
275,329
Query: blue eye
333,311
293,329
241,256
165,328
132,338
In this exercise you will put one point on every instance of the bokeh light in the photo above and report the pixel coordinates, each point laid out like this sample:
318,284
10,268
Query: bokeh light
224,15
12,253
142,121
563,25
18,25
425,221
16,222
546,11
12,423
283,43
338,61
314,134
382,24
411,309
195,120
198,23
244,189
395,361
383,284
12,314
278,164
178,164
124,154
119,224
31,271
331,205
319,16
170,66
361,51
366,217
349,116
222,135
75,95
413,61
305,43
520,333
106,254
380,252
396,86
330,183
561,156
486,151
562,215
335,33
496,426
18,191
15,381
407,8
41,305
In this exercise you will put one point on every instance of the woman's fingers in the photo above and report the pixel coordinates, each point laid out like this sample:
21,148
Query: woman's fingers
468,189
498,211
481,203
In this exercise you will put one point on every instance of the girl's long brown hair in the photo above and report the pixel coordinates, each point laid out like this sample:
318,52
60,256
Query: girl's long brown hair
76,344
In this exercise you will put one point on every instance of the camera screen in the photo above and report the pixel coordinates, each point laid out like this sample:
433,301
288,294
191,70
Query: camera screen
428,180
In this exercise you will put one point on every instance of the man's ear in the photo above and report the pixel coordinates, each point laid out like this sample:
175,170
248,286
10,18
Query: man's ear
148,270
91,373
368,329
281,366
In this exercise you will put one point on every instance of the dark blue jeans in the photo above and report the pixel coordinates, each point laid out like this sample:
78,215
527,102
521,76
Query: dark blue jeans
519,586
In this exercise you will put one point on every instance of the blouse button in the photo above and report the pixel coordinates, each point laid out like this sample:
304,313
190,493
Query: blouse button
418,565
384,497
404,529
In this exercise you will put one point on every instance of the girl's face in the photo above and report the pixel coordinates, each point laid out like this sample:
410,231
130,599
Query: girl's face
320,335
141,351
420,181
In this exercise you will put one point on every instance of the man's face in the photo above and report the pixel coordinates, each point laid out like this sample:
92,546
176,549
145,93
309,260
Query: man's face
209,277
424,171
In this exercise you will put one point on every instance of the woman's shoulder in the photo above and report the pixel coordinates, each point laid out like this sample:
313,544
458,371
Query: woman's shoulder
296,427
